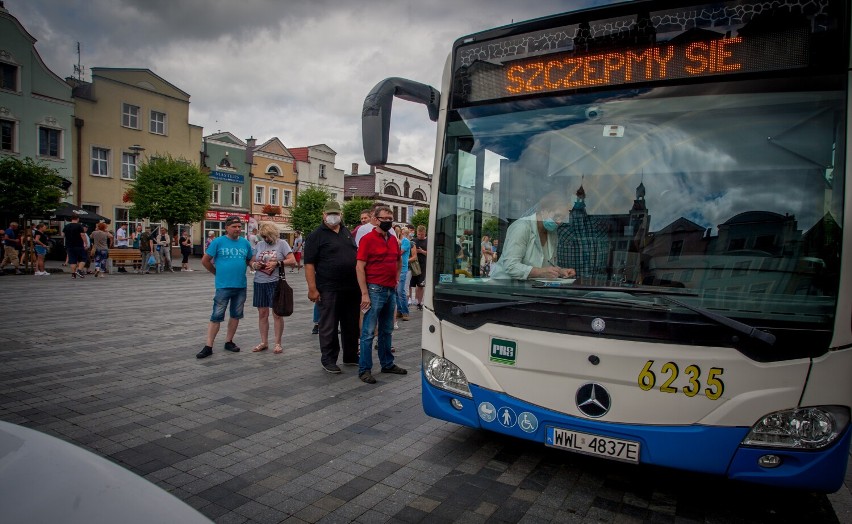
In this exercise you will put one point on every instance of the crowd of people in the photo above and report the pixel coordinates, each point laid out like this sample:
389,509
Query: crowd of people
87,248
358,280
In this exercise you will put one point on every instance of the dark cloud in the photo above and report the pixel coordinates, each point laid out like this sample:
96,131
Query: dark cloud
296,70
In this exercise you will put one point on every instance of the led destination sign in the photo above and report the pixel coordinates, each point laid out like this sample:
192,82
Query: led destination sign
667,61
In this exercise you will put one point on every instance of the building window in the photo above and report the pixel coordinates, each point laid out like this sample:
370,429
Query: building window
8,76
130,116
7,136
128,166
122,216
390,189
100,161
236,196
404,212
675,250
287,202
273,171
736,244
418,194
322,170
214,193
158,123
49,141
273,196
258,194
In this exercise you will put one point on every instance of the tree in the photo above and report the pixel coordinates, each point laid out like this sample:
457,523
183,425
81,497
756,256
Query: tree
307,213
352,210
491,227
420,218
28,188
170,189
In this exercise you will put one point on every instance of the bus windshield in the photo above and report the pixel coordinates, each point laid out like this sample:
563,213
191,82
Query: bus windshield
728,195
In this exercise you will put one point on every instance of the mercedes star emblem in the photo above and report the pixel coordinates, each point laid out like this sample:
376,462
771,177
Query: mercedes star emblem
593,400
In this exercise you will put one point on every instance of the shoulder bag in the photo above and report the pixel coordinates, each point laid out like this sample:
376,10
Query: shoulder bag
414,267
282,299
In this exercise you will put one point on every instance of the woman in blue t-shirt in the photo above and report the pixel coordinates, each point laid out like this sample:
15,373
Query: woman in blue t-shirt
404,275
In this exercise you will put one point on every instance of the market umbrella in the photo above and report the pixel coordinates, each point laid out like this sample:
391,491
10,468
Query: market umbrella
66,211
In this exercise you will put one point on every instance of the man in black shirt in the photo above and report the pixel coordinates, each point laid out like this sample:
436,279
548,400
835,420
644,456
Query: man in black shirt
329,258
419,282
75,246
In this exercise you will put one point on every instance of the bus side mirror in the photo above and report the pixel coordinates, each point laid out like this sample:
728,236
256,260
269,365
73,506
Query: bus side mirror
376,113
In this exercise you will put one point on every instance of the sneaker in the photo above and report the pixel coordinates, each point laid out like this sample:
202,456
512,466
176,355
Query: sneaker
396,370
405,317
419,307
367,377
395,324
331,368
315,331
205,352
80,274
233,348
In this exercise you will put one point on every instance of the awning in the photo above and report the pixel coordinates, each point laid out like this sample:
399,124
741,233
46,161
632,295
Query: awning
66,211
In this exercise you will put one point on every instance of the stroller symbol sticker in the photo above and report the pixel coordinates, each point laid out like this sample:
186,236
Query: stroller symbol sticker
487,411
527,422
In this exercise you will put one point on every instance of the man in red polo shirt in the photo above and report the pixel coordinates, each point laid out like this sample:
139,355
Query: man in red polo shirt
378,268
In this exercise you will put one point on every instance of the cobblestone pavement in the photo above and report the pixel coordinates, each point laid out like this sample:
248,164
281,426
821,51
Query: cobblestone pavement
109,364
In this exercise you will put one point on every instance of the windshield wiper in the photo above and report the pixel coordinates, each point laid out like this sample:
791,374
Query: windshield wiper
486,306
739,327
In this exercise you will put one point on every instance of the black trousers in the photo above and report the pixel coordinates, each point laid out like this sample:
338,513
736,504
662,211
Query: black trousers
339,307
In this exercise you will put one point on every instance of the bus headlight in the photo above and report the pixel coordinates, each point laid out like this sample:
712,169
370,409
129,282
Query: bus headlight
443,374
800,428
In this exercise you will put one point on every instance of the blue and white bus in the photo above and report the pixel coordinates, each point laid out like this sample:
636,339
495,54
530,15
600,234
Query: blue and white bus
667,184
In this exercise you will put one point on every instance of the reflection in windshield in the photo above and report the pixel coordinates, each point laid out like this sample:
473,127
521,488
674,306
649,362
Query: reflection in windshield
736,197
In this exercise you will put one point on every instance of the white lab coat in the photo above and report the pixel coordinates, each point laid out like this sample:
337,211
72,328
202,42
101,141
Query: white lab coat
522,250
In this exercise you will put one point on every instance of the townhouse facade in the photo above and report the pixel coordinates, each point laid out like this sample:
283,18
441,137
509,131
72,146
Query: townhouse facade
226,162
315,168
401,187
273,183
124,117
36,107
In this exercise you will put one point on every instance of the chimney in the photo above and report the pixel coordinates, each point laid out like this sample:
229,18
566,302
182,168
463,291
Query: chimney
354,168
250,144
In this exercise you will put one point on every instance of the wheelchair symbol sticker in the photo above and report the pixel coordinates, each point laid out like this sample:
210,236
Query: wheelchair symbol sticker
527,422
507,417
487,412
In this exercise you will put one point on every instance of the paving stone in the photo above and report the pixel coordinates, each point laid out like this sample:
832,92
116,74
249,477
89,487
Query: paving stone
266,438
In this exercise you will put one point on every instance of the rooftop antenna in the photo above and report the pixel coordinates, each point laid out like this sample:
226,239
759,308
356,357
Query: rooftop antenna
79,68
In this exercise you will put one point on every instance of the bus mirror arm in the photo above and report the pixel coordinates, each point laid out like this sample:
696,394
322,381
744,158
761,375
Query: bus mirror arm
376,113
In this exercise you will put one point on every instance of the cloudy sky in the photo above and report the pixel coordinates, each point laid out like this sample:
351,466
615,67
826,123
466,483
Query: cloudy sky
264,68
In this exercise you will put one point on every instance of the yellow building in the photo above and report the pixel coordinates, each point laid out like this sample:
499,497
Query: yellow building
273,182
124,117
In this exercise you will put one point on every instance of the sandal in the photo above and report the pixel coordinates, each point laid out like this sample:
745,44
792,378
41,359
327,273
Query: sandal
260,347
278,349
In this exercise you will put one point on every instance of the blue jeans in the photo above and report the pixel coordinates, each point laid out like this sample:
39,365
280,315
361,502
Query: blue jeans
236,296
402,294
383,302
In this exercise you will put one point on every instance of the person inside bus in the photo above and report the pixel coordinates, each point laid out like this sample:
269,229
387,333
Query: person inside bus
529,249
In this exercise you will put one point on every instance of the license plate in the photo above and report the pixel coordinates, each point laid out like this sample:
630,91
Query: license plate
611,448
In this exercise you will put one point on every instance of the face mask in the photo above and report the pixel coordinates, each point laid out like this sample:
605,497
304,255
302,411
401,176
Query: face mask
332,220
550,224
385,226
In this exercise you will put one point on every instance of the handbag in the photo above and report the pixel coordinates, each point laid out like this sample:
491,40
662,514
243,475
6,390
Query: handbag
414,267
151,260
282,299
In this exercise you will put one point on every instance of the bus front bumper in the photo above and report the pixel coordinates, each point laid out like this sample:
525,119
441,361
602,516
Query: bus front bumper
715,450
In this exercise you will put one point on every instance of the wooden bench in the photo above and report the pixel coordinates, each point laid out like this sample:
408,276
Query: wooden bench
120,257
